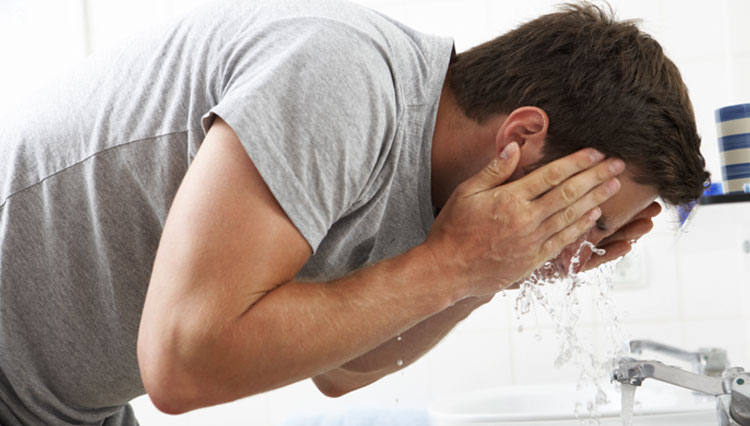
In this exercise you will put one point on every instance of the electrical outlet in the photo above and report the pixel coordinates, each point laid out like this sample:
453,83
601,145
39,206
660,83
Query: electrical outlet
630,271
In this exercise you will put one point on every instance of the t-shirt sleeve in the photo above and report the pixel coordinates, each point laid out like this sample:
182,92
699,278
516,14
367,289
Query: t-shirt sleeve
313,103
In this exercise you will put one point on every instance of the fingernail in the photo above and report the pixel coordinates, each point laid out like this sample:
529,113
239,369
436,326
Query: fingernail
594,215
595,155
509,150
612,185
616,165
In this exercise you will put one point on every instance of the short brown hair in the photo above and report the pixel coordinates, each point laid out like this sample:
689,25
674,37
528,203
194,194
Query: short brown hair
603,83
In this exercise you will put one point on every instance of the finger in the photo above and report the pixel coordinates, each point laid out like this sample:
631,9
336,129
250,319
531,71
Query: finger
630,232
611,252
550,175
621,242
576,187
652,210
563,218
553,245
497,171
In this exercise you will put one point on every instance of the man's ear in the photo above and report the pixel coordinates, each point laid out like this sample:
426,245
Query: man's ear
528,127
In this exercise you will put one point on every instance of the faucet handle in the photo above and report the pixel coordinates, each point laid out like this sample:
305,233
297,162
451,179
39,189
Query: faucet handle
739,401
708,361
713,361
637,347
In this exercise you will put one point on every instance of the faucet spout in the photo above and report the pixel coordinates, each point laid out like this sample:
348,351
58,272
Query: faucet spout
633,372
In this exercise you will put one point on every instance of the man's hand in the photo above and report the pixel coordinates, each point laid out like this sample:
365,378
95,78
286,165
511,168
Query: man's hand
490,235
620,243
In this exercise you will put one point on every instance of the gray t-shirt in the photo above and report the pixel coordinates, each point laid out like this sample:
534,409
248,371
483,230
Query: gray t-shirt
336,106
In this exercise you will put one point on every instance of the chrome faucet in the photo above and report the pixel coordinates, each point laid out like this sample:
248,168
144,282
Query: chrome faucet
633,372
732,389
707,361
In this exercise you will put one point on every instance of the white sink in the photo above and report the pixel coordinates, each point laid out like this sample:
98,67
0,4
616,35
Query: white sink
554,405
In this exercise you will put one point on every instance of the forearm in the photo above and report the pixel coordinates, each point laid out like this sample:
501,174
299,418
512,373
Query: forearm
222,321
396,352
302,329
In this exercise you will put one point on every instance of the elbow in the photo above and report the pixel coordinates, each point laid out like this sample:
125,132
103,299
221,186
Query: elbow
331,387
166,377
167,403
328,389
171,391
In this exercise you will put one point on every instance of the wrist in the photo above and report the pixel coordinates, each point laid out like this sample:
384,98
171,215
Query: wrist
444,282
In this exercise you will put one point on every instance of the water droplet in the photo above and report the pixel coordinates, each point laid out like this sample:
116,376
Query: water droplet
523,304
601,397
400,362
398,338
537,336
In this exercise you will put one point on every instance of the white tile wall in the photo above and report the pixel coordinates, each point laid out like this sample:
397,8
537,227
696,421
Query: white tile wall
654,298
505,15
38,40
692,32
739,11
448,17
468,360
648,12
740,69
693,289
706,98
718,332
535,351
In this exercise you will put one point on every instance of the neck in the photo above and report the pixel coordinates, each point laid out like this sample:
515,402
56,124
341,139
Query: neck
460,147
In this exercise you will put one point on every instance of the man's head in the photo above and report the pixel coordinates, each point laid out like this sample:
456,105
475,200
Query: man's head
598,83
565,81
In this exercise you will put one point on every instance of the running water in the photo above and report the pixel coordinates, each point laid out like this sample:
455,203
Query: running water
559,296
628,399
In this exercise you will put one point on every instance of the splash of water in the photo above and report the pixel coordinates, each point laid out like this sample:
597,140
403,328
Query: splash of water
559,296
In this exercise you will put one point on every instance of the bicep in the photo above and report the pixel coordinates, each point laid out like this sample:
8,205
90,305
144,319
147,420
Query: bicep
226,241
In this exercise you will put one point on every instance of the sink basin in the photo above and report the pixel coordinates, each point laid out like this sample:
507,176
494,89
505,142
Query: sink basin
554,405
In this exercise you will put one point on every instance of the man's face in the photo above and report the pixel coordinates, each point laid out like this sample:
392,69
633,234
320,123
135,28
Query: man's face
619,210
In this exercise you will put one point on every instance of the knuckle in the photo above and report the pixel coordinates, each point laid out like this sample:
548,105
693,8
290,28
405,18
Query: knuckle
586,158
602,193
525,224
553,175
570,214
505,197
603,173
583,162
521,221
549,246
491,171
569,192
522,218
583,225
510,201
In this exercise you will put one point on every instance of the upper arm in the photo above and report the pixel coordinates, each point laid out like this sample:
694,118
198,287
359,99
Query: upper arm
318,122
225,244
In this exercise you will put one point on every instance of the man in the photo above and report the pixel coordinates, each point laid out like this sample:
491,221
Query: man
312,144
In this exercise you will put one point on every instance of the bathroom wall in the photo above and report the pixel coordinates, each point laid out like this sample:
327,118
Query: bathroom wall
683,288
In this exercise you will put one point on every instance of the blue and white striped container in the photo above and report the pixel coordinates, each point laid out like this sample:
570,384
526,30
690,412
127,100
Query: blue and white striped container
733,130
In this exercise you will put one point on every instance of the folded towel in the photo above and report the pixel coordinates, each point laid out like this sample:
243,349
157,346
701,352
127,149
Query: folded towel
362,417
